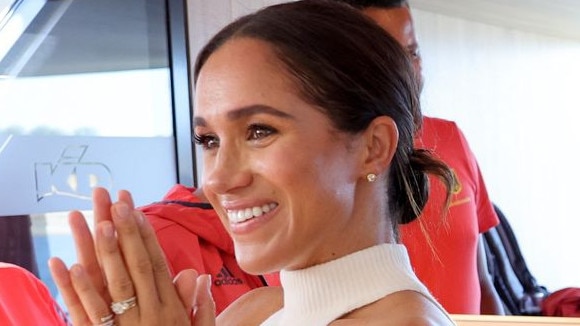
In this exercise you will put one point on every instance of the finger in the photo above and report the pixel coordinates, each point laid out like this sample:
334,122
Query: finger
120,284
101,211
137,259
85,248
204,309
185,283
61,277
101,205
125,196
161,273
94,305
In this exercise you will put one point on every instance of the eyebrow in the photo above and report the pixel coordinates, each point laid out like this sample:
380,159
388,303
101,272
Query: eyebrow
245,112
413,46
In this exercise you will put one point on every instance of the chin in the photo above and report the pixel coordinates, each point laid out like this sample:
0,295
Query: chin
255,261
254,267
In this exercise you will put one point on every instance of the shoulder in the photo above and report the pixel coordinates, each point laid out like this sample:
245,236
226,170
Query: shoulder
180,211
26,300
253,308
23,282
445,138
17,275
439,122
440,128
408,308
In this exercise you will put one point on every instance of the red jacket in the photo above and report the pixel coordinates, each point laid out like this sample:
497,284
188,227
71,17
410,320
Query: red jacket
25,300
192,236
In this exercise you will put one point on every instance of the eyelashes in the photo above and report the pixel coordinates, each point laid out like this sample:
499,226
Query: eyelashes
255,133
259,131
206,141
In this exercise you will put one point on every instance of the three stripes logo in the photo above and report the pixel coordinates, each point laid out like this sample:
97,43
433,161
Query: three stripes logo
225,277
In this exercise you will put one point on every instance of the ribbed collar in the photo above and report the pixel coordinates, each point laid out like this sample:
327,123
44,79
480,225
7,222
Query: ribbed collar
347,283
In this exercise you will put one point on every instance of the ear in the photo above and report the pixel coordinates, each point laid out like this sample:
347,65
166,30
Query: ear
381,139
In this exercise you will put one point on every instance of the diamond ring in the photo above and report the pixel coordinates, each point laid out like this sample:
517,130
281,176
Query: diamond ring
120,307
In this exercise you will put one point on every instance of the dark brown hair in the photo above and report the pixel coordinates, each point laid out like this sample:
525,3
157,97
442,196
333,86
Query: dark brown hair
354,71
363,4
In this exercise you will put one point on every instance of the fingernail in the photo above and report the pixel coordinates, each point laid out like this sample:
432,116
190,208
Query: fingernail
140,218
122,210
76,270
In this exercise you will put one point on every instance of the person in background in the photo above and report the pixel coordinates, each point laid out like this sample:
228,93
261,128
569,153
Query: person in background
446,248
25,300
310,164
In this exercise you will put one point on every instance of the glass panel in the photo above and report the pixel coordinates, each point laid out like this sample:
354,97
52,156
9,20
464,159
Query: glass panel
85,101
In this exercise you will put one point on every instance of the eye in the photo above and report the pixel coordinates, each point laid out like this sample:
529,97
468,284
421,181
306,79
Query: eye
206,141
258,132
413,52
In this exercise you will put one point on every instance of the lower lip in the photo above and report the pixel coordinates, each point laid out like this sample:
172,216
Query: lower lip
252,224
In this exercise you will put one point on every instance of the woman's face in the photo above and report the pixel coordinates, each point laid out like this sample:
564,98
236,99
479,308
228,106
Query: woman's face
281,178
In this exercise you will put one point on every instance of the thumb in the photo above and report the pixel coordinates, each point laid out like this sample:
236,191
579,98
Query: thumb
204,308
185,283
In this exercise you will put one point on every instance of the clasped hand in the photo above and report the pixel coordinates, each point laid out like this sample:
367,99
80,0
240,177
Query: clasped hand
121,277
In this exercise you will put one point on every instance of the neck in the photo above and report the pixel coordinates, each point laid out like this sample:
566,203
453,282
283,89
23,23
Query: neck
199,194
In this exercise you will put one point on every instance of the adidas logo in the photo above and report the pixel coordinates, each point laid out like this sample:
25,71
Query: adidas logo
225,277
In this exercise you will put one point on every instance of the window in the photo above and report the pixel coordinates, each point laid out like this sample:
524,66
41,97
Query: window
92,93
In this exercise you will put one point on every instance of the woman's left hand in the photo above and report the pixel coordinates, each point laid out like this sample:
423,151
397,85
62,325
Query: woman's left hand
125,272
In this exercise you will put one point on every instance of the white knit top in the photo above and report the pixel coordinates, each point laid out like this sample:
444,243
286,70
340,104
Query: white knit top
320,294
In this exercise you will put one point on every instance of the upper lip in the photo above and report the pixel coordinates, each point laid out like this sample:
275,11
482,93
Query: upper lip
239,204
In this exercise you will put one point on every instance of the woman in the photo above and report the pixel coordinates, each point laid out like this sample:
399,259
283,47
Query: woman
306,113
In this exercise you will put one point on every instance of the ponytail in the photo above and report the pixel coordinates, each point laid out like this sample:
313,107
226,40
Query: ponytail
409,188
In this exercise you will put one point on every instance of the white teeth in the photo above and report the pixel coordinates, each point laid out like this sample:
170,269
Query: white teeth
257,211
242,215
265,208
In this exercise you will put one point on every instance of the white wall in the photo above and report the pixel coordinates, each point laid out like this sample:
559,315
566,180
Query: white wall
515,96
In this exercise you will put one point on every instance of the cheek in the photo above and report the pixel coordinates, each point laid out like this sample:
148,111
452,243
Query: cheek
281,165
309,172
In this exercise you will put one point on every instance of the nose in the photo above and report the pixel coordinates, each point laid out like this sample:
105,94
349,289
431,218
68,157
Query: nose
418,67
226,171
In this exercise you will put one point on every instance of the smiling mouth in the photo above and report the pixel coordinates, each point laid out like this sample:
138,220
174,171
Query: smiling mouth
241,215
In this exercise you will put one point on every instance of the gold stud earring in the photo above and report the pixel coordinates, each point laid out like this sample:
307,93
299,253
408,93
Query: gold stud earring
371,177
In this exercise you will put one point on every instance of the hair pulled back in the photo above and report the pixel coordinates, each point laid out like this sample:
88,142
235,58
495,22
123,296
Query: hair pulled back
362,4
346,65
